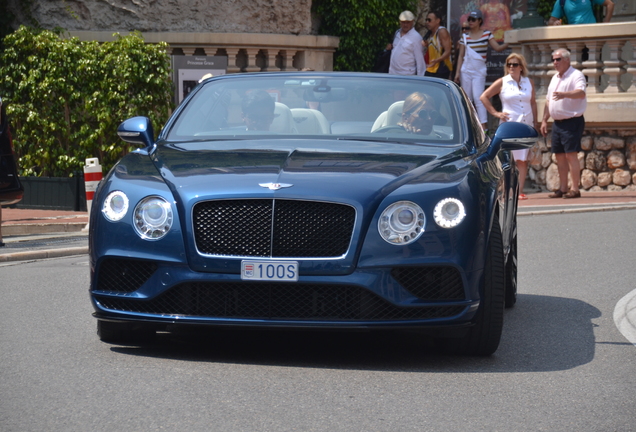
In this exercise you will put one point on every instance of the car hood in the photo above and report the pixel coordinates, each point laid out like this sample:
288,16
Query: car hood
331,170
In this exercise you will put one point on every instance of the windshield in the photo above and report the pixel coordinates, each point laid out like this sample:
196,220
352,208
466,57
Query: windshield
336,107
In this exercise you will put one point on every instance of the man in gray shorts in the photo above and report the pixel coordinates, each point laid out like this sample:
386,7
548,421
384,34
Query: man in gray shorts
565,103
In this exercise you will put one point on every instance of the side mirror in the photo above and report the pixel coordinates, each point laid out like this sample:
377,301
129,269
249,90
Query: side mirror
137,130
512,136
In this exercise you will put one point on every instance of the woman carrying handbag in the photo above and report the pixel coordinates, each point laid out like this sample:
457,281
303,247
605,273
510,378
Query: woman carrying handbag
471,63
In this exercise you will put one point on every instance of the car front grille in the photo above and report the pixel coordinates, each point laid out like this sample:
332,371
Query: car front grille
280,301
120,275
431,283
273,228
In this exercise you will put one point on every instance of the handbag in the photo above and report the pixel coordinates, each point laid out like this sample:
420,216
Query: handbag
382,62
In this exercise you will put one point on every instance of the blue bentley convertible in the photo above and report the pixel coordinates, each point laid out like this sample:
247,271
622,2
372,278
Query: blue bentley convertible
324,200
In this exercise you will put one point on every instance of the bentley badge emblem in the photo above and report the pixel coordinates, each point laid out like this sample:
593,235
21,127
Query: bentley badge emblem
275,186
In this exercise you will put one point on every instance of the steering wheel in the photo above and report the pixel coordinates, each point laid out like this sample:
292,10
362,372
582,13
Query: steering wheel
387,129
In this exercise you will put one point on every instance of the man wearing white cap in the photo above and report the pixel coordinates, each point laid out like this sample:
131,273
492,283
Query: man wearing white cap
407,56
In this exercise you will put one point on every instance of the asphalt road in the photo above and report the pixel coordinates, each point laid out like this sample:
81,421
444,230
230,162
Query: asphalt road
562,365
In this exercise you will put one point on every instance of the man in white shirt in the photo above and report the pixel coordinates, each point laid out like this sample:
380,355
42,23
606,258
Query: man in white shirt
565,103
407,56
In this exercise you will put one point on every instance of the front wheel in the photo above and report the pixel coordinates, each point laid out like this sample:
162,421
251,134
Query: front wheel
483,338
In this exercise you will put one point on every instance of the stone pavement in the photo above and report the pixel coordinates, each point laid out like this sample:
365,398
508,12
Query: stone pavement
37,234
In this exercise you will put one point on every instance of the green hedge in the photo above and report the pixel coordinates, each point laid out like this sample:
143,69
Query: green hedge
364,28
66,97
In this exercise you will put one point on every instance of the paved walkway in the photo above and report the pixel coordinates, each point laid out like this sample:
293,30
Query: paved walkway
35,234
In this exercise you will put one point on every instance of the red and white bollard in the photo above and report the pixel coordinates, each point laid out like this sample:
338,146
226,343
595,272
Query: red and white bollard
92,177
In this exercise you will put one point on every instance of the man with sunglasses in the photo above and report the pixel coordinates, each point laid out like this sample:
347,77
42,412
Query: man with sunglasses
438,44
565,103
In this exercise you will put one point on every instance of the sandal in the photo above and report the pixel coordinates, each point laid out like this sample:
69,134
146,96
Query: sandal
557,194
572,194
523,196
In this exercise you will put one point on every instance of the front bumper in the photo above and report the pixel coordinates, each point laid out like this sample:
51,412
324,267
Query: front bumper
126,289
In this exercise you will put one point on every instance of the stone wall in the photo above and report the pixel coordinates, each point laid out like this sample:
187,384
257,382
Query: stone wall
216,16
608,162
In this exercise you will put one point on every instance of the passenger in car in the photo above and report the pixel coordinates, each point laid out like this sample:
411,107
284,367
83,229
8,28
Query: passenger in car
258,110
419,114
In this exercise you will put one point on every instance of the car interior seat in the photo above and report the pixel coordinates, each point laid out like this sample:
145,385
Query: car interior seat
310,121
390,117
283,121
377,124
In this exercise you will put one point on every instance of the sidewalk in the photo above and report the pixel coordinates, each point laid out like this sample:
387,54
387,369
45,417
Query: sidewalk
36,234
539,203
17,222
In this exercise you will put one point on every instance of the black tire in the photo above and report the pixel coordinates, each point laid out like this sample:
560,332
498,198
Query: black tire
124,333
483,338
511,270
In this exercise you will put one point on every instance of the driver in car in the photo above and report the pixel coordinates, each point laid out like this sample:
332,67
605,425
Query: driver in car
419,114
258,110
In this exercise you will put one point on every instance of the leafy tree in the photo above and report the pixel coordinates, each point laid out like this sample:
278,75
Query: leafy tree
544,8
66,97
364,28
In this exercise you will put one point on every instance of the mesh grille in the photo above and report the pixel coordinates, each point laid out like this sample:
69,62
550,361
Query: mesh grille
123,275
431,283
268,228
275,301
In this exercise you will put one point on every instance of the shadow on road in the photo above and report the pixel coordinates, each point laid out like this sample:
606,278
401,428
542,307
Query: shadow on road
541,333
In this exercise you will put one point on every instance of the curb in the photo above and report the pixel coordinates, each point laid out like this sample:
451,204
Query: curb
42,228
577,210
43,254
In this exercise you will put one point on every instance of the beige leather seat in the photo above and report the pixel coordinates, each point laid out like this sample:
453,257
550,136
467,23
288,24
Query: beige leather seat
283,121
390,117
310,121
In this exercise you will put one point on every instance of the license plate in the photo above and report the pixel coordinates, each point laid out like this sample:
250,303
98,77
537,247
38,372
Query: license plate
270,270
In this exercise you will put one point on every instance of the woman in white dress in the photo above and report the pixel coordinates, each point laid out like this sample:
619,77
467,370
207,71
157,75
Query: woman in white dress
518,103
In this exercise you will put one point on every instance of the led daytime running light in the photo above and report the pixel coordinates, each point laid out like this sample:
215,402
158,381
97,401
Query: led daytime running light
449,213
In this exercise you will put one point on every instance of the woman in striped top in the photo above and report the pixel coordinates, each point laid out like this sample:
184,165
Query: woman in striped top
471,63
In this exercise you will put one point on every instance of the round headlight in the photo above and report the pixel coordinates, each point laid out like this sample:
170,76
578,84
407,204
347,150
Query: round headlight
152,218
115,206
449,213
402,223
